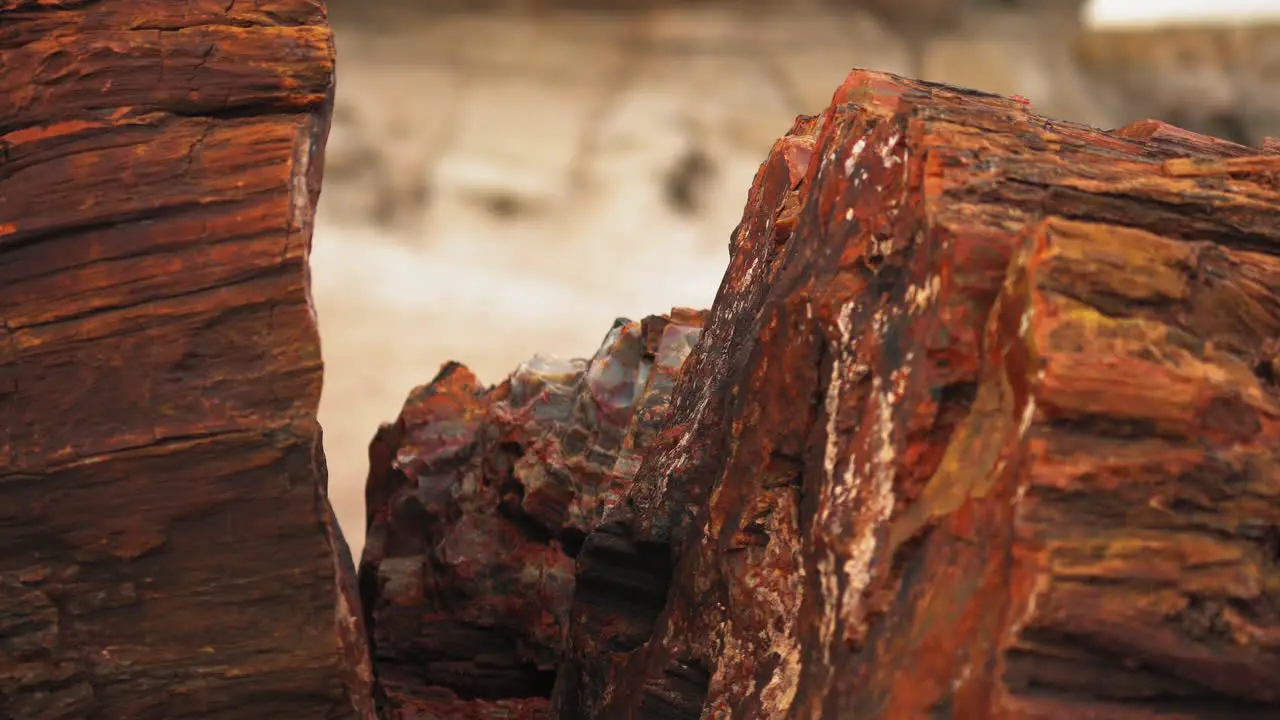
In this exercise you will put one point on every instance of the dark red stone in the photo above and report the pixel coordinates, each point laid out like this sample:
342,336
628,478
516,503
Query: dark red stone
167,549
981,425
479,501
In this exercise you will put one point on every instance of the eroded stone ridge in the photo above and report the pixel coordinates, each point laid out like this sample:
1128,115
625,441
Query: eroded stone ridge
479,500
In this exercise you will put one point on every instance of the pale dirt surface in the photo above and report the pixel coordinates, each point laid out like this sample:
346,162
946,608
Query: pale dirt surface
499,185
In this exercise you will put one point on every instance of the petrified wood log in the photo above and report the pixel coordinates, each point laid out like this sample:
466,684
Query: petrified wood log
983,423
478,502
166,545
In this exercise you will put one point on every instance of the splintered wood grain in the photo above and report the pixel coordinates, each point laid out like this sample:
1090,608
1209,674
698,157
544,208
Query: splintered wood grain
166,545
138,56
1098,526
981,425
1150,484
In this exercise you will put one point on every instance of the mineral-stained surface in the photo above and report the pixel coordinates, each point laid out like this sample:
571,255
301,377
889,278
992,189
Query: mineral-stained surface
166,546
983,423
479,500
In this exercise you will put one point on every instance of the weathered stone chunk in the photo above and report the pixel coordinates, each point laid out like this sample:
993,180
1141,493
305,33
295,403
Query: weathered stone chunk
981,425
479,499
166,545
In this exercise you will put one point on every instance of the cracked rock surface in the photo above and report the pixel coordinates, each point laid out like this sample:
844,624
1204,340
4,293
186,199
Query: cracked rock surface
479,500
982,423
167,548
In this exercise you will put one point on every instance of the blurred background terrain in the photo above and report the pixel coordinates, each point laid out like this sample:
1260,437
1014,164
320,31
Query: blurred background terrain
507,177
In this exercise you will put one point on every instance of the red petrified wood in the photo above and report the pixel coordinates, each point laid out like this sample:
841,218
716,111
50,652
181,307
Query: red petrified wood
983,424
166,546
479,499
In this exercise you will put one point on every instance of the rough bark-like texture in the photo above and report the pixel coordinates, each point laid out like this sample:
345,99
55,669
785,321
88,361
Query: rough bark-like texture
478,502
166,545
983,423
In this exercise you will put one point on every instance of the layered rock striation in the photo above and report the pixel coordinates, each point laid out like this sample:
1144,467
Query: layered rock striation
982,424
167,548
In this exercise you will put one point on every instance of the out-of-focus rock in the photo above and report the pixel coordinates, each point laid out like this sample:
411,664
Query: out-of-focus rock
166,545
1224,81
478,501
983,423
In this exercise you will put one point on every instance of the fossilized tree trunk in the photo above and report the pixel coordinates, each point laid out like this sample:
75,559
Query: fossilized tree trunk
983,423
166,545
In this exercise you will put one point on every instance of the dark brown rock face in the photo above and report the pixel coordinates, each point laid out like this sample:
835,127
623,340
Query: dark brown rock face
983,423
166,546
479,499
